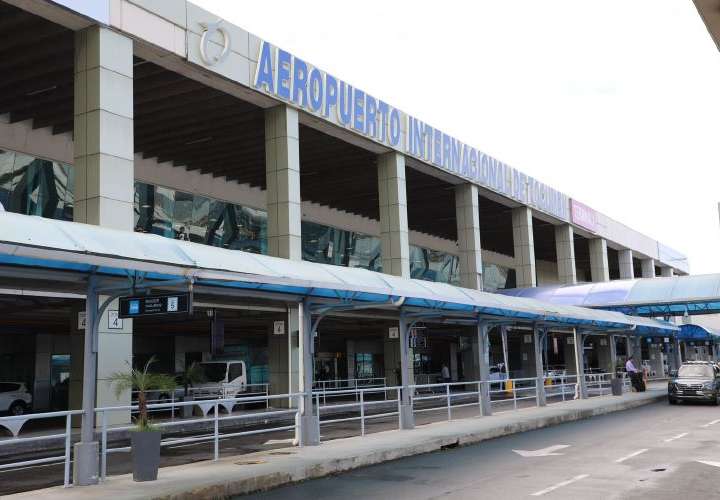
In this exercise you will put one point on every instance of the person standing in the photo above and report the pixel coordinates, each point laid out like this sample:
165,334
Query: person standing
445,373
633,373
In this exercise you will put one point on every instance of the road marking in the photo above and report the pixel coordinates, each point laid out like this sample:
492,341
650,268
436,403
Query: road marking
711,423
631,455
708,462
677,437
559,485
544,452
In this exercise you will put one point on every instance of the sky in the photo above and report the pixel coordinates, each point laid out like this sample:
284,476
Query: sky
613,103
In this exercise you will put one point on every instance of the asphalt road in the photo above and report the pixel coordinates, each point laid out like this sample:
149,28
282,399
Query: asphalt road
653,452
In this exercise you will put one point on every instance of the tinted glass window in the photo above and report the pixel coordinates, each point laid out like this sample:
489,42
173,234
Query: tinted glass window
6,387
235,371
696,371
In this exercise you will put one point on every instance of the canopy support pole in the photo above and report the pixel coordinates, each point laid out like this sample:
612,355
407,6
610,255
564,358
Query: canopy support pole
538,341
405,407
483,340
503,335
579,339
309,416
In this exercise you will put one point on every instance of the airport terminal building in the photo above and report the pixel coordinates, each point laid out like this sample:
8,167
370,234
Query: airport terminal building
159,117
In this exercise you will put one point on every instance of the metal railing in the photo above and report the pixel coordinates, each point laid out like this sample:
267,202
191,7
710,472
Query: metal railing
206,405
515,390
15,425
360,406
563,386
348,387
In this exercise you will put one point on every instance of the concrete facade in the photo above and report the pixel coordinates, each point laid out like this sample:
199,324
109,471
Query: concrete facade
524,245
282,169
565,249
599,268
394,245
468,229
625,263
648,268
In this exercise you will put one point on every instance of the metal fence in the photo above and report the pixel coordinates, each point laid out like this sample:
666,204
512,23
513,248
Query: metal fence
346,388
361,406
15,425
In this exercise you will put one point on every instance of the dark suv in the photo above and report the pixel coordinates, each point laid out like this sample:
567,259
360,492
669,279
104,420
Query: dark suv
695,381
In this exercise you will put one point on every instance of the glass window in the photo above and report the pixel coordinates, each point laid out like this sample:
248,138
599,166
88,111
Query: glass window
201,211
144,207
182,216
38,187
163,211
7,159
696,371
432,265
330,245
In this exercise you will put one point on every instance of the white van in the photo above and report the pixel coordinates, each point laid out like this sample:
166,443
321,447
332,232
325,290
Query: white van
225,378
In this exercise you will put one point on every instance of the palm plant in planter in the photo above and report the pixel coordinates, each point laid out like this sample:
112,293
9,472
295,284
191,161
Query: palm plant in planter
145,439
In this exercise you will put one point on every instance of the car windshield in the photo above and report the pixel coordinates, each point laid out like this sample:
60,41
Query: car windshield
214,372
9,387
695,371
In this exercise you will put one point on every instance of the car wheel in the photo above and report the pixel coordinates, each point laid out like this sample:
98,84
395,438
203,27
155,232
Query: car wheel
672,401
716,401
17,408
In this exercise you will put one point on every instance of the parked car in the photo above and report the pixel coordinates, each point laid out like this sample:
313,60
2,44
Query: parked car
695,381
14,398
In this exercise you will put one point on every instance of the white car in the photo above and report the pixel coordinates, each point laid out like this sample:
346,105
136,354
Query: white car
14,398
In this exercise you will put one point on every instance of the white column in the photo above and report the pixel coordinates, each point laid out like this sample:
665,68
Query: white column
483,342
103,129
648,268
467,214
667,272
104,182
625,261
565,249
599,269
524,245
282,171
394,245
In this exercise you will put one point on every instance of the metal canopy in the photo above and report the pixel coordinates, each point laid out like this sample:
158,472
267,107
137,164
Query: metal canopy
30,241
674,296
698,332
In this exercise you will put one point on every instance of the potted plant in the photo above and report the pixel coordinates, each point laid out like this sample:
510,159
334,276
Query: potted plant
191,376
145,438
616,383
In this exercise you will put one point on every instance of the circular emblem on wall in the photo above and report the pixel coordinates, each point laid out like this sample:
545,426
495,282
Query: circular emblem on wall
209,31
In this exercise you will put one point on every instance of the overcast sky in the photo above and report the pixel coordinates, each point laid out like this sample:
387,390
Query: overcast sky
614,103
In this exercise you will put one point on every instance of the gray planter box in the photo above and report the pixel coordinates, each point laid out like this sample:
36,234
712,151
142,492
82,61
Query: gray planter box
145,454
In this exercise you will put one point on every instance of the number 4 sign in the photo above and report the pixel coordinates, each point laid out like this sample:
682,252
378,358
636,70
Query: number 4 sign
115,322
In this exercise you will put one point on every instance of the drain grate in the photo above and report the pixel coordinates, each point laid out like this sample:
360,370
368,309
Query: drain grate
281,453
250,462
659,469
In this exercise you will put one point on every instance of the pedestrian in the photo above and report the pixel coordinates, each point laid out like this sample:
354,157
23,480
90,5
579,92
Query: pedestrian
634,374
445,374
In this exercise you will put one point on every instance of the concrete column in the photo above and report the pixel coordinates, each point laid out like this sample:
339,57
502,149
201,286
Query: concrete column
604,352
483,342
467,214
394,245
539,370
570,364
524,245
565,249
41,390
283,358
625,261
580,364
103,129
527,351
282,171
104,180
453,362
667,272
648,268
599,269
114,355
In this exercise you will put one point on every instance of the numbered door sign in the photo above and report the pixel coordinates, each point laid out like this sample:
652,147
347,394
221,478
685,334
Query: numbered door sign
279,328
394,332
115,322
82,320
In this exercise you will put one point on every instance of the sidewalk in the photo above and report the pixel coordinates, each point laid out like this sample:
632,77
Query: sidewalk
260,471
